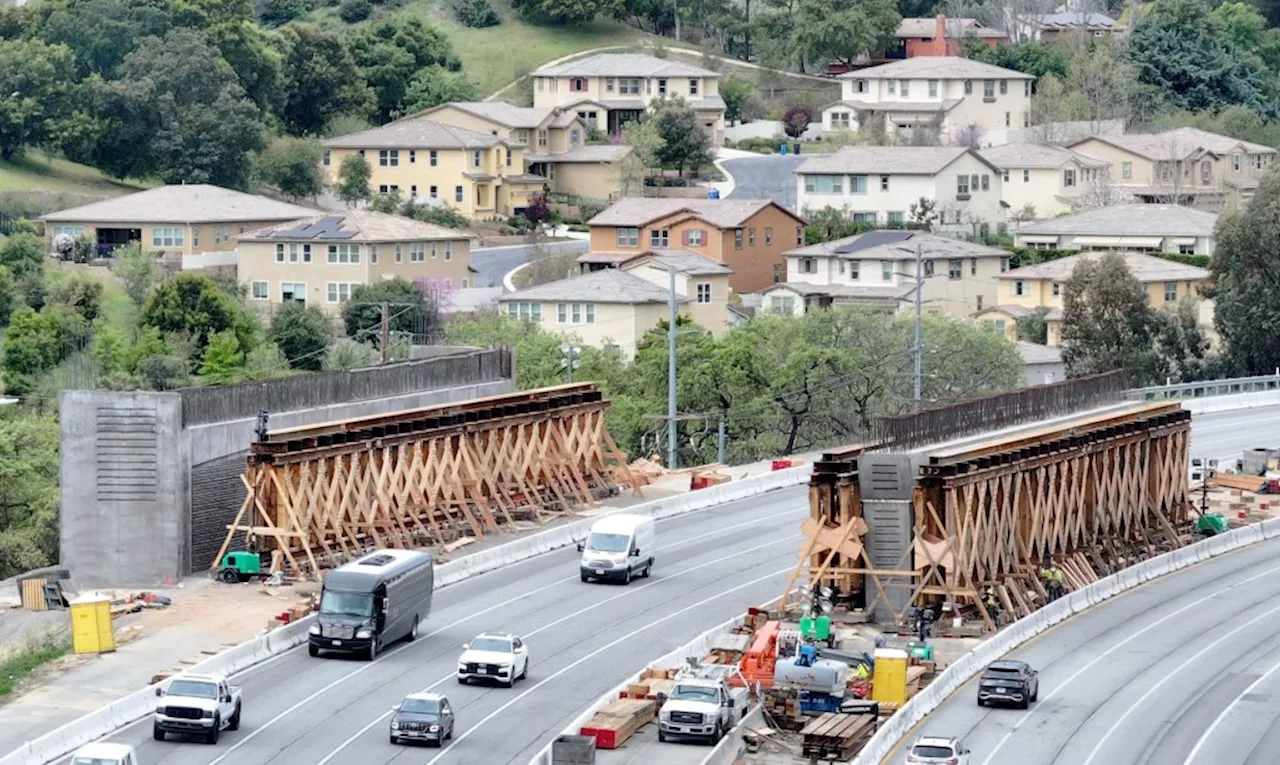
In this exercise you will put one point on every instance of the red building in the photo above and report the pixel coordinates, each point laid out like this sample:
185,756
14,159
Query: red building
941,36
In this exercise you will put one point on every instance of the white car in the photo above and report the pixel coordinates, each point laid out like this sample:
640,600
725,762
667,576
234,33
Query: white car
932,750
501,657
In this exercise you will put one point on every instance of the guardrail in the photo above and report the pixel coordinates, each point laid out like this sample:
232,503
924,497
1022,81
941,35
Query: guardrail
138,705
1206,388
1013,636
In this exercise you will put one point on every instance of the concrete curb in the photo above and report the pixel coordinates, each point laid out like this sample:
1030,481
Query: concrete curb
1231,402
138,705
959,673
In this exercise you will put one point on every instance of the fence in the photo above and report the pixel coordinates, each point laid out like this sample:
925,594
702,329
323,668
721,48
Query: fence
1206,388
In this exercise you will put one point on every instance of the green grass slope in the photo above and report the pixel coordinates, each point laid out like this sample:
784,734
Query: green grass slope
39,172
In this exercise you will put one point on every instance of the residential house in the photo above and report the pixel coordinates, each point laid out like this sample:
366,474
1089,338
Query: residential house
177,219
612,89
878,185
703,281
938,95
1041,364
1040,181
480,175
1183,166
940,36
1054,25
877,269
1023,290
320,260
555,143
1125,228
750,236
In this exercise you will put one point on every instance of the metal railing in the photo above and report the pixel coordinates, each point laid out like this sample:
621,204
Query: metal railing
1205,388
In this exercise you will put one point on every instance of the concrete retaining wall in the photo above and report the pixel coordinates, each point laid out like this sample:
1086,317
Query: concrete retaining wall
1232,402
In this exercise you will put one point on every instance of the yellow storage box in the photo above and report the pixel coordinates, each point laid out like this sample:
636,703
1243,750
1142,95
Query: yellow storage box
889,684
91,630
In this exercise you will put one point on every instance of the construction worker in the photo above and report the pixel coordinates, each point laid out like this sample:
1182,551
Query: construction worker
991,604
924,623
1054,581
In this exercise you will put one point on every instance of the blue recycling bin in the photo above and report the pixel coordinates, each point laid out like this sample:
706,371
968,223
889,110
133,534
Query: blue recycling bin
713,194
782,149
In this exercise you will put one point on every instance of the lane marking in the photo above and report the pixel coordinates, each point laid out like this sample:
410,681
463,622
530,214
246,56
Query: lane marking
1078,673
459,739
1226,712
549,625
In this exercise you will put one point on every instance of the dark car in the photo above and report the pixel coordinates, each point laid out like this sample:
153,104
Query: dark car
1008,682
422,717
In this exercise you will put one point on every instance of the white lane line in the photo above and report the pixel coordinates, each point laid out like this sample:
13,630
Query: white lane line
1078,673
561,620
597,652
1227,712
1169,676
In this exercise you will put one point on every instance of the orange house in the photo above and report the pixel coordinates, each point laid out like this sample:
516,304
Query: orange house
750,236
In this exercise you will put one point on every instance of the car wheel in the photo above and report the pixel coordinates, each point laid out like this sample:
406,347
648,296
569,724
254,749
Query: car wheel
395,740
1026,702
313,650
373,650
229,576
449,736
585,578
662,736
234,722
525,671
413,631
981,703
462,680
715,735
648,569
626,577
1035,695
157,733
212,736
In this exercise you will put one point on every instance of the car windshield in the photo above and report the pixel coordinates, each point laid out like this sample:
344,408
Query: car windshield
193,689
93,761
357,604
694,693
608,542
497,645
421,706
932,751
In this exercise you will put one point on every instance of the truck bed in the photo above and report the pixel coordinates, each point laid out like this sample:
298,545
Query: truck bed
644,748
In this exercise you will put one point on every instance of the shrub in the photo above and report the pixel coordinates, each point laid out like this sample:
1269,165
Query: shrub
476,14
440,216
352,11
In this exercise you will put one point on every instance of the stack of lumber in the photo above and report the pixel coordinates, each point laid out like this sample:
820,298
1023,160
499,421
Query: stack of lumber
648,471
1078,571
783,707
835,736
649,689
617,722
1251,483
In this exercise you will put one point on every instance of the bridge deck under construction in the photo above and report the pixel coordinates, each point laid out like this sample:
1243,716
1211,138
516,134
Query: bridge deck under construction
322,494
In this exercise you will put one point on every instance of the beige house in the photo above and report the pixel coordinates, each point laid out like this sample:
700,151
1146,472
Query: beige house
877,269
1125,228
480,175
555,141
940,95
703,281
609,90
1023,290
1182,166
320,260
1040,181
178,219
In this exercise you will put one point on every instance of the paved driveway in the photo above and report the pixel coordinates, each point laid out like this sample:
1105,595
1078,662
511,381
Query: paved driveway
765,177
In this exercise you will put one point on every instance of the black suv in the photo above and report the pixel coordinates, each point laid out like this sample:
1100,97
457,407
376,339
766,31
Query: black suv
1008,682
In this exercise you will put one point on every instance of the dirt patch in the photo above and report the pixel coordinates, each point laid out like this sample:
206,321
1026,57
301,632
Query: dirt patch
22,630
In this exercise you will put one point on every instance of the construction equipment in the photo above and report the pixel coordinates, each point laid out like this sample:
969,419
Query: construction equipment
241,566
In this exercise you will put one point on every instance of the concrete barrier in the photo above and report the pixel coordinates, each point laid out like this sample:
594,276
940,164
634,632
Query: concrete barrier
136,706
1013,636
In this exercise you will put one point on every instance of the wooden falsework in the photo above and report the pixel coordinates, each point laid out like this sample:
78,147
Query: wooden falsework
987,514
326,493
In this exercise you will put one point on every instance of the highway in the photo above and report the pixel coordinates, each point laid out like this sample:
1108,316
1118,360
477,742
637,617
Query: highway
1224,435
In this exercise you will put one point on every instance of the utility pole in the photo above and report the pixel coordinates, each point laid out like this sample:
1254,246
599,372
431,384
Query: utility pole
720,443
918,348
385,339
569,358
672,450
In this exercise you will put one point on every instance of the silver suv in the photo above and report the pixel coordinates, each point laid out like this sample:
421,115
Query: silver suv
933,750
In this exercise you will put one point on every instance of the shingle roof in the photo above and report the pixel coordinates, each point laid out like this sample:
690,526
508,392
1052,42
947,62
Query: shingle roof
1128,220
1171,145
685,262
955,28
1215,142
583,154
850,291
182,203
1035,353
415,133
896,245
1145,268
1018,155
366,225
721,213
901,106
624,65
501,112
1076,20
936,68
888,160
609,285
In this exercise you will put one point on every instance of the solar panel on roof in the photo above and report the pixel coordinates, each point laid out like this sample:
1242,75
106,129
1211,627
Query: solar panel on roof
875,239
328,227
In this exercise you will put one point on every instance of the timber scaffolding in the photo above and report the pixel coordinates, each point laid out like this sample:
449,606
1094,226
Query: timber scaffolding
323,494
1093,492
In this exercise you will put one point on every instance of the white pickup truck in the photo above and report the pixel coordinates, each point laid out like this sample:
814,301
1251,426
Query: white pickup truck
702,704
201,705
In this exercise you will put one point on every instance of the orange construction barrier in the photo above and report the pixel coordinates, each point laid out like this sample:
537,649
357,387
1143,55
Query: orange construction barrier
757,665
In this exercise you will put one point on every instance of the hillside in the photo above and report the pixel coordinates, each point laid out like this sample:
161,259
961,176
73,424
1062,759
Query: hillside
37,171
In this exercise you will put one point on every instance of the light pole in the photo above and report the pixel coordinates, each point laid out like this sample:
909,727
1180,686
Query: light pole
569,355
672,451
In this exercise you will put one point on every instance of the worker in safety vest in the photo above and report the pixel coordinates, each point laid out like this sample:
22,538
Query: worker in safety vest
991,604
1054,581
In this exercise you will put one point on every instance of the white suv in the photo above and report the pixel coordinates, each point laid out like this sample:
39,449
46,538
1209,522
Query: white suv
501,657
930,750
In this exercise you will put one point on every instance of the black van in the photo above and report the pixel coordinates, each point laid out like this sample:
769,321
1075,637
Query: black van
372,602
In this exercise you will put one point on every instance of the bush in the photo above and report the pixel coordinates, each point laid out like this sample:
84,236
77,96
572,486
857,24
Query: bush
476,14
590,208
440,216
759,145
352,11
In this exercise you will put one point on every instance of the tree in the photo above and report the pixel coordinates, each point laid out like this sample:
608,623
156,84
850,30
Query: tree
1033,328
36,342
476,14
434,85
321,80
101,33
685,142
80,292
36,85
389,54
29,463
276,13
568,11
355,11
829,224
1246,280
1107,322
408,310
250,55
266,361
924,212
1038,59
353,180
139,271
349,354
291,165
795,120
9,296
844,30
741,100
193,304
1100,83
223,360
302,334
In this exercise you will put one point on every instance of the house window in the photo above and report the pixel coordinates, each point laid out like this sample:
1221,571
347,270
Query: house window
799,236
857,184
448,250
628,237
293,253
389,157
1026,88
840,119
575,137
933,88
693,86
508,158
751,237
897,218
525,310
893,87
608,84
1186,249
998,325
373,254
777,273
166,237
475,158
413,191
576,313
785,305
417,252
968,87
979,306
886,270
988,89
1170,292
433,158
433,192
1019,288
344,253
1004,87
704,293
662,87
986,182
293,292
457,194
259,291
1004,175
824,184
578,84
1007,121
1057,289
279,253
338,292
72,231
962,186
629,86
542,138
1004,265
659,238
884,182
195,236
1068,178
928,268
868,218
737,239
904,87
955,269
385,189
1026,176
1235,162
768,236
399,254
325,160
694,237
413,156
808,266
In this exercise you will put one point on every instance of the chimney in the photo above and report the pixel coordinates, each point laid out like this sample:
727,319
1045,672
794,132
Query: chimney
940,36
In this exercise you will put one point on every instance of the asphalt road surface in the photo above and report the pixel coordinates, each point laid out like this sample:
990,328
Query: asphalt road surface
583,640
1224,435
492,263
765,177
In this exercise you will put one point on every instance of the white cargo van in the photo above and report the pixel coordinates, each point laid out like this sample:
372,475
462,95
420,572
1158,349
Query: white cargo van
618,547
105,754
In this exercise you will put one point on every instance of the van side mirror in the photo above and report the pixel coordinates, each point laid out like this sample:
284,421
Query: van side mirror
635,551
581,546
466,646
159,692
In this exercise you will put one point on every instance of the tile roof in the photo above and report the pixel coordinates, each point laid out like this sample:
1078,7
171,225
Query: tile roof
1146,268
610,285
365,225
182,203
583,154
1128,220
1018,155
1035,353
685,262
888,160
624,65
416,133
721,213
936,68
955,28
896,245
